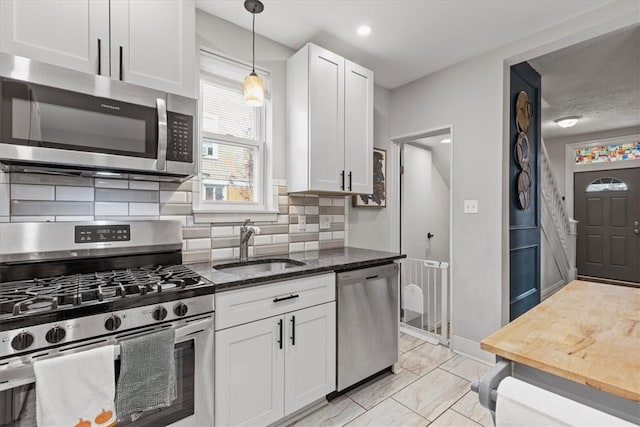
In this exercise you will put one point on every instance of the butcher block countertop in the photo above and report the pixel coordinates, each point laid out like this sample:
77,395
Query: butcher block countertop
587,332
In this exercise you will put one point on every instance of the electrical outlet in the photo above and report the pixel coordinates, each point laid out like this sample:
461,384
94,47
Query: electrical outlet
325,222
302,222
471,206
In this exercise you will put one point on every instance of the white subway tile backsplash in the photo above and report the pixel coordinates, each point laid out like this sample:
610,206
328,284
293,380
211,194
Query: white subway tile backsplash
296,247
84,194
144,185
32,192
312,228
325,235
222,231
144,209
311,246
4,199
280,238
181,218
325,201
111,208
283,200
338,201
198,244
111,183
296,210
337,218
283,219
262,240
337,235
221,254
175,197
311,210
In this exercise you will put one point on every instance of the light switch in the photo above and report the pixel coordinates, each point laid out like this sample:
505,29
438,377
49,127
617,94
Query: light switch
471,206
302,222
325,222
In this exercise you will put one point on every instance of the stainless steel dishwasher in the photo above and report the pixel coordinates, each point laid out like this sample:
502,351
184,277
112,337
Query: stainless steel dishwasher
367,323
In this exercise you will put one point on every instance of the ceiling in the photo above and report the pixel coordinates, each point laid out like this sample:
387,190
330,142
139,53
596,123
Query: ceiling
440,153
410,39
598,79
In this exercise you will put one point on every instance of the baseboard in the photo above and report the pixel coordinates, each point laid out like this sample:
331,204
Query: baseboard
608,281
290,419
409,330
471,349
546,293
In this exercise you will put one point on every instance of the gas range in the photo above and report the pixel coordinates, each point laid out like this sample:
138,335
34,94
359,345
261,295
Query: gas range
76,290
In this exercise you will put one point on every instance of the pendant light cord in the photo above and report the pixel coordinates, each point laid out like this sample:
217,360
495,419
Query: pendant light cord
253,31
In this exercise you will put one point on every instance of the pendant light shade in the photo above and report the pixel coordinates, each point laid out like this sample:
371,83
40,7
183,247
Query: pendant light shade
253,85
253,90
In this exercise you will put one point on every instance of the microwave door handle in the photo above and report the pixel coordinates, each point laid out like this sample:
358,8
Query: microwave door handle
162,133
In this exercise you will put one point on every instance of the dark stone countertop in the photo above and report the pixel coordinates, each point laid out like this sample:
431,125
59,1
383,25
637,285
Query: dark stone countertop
315,262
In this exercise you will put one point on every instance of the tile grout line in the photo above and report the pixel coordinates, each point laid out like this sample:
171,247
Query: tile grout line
470,419
402,404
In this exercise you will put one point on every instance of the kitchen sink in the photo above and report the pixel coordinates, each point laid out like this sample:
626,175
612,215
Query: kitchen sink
258,266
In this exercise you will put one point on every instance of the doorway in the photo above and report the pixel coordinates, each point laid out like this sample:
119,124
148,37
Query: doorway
425,230
607,206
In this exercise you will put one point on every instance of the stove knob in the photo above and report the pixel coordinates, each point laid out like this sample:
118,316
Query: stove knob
112,323
55,334
180,309
22,341
159,313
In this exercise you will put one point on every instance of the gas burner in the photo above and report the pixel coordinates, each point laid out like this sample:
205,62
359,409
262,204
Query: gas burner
39,303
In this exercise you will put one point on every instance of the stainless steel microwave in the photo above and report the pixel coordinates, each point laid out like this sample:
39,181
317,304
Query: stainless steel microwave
53,118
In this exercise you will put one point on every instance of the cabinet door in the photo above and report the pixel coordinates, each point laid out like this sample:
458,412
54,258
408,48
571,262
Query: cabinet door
249,373
63,33
326,120
153,44
358,106
310,372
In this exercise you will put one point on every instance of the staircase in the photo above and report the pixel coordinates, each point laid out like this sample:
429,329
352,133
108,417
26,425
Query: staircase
558,229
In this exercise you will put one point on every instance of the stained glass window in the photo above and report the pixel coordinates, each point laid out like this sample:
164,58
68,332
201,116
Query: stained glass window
608,153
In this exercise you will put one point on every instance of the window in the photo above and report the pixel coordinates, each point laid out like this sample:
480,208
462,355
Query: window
608,153
607,184
233,139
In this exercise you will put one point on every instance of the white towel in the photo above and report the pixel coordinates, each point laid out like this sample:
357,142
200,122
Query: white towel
76,387
521,404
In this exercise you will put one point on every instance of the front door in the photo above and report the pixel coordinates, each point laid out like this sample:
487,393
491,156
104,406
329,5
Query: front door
607,204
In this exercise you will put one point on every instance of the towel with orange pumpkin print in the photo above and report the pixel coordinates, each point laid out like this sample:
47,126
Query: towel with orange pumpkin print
77,389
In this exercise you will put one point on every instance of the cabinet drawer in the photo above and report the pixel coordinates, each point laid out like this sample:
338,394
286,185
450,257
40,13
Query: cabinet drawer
262,301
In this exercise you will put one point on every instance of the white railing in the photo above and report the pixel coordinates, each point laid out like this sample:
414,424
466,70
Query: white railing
559,229
425,298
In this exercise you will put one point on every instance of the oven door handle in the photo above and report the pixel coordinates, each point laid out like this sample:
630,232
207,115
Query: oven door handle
161,105
194,328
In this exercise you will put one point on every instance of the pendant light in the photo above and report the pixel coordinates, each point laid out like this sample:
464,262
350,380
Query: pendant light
253,86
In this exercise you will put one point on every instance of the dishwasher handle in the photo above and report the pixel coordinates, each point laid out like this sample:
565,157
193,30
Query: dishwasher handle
371,273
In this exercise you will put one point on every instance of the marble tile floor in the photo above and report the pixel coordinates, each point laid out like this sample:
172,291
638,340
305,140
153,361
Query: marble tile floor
432,388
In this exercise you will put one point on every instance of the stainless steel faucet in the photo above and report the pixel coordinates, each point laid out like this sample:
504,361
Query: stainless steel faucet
245,235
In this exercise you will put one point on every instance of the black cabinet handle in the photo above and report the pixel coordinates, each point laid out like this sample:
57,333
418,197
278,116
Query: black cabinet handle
349,180
371,277
286,298
293,330
280,334
121,66
342,180
99,57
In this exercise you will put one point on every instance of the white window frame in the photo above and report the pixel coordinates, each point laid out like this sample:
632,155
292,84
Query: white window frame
263,209
214,150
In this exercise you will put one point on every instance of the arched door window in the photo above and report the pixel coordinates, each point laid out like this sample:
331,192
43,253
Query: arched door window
607,184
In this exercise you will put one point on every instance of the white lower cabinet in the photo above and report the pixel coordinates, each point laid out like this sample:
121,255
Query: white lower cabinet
270,368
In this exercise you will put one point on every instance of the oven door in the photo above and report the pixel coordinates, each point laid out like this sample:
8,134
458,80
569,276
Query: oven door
193,354
48,125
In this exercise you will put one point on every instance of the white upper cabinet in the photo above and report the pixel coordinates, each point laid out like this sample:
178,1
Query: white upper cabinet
153,44
71,34
330,123
149,43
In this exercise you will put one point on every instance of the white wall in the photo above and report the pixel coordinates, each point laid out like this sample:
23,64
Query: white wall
473,98
368,227
425,206
223,37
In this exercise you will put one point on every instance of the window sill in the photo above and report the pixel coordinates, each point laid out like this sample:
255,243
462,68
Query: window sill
208,216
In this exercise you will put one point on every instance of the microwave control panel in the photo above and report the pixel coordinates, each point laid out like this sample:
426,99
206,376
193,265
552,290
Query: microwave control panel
179,137
102,233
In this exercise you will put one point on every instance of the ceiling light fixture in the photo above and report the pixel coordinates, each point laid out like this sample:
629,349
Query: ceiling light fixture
446,141
567,122
364,30
253,86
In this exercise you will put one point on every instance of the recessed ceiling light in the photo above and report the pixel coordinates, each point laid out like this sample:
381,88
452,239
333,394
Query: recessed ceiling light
364,30
446,140
567,122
